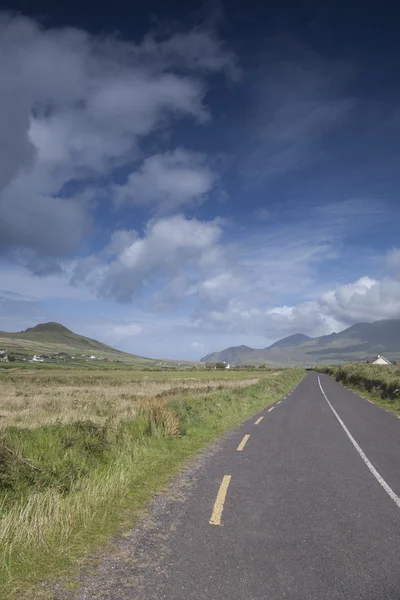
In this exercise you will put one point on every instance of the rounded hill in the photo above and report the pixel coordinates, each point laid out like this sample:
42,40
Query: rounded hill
48,327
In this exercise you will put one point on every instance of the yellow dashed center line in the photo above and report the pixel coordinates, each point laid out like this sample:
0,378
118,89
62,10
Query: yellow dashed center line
242,443
272,408
219,503
258,421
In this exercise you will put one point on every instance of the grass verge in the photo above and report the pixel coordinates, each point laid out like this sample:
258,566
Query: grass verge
66,487
379,383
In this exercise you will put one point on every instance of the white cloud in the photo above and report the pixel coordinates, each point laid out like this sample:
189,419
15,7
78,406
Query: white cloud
170,242
172,249
174,292
229,286
164,265
216,291
363,300
247,297
169,180
74,106
119,241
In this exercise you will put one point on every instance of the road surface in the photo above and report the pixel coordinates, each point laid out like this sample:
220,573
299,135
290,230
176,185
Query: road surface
300,502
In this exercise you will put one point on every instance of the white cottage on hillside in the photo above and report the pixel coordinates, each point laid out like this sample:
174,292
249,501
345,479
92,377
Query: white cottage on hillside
381,360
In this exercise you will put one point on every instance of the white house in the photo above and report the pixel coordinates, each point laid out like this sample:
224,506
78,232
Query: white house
381,360
37,358
228,366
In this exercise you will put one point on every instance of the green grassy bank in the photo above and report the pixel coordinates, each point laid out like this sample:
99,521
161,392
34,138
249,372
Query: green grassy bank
380,383
66,487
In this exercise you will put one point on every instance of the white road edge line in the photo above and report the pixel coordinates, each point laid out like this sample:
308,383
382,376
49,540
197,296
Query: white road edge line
370,466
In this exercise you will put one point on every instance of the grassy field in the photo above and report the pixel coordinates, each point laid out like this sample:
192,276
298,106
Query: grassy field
33,398
81,452
380,383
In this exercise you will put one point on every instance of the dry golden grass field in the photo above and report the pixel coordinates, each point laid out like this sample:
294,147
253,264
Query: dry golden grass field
32,399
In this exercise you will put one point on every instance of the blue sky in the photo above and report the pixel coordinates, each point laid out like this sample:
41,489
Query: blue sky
176,181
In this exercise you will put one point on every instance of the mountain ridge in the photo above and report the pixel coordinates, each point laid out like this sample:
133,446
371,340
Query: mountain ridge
355,343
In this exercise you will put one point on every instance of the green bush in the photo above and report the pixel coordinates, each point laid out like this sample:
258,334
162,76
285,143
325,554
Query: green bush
380,380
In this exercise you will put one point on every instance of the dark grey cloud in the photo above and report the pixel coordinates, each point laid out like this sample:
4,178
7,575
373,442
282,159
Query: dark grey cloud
50,226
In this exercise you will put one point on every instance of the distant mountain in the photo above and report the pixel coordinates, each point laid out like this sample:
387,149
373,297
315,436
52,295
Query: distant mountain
234,355
292,340
358,342
51,338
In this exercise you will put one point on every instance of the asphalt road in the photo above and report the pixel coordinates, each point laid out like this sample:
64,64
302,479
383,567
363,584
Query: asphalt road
309,508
